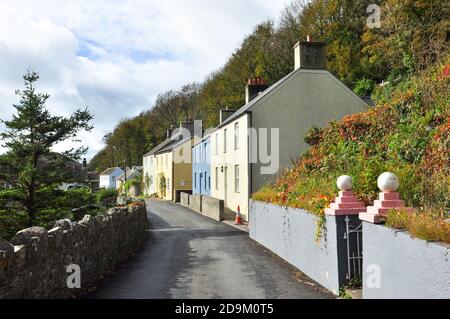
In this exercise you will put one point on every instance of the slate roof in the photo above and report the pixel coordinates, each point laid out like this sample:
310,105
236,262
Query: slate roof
158,147
206,135
170,146
109,171
253,103
130,174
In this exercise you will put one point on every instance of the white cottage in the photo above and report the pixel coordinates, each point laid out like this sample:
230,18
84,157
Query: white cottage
108,177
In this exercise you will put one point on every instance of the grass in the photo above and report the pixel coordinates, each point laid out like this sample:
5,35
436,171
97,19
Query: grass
428,225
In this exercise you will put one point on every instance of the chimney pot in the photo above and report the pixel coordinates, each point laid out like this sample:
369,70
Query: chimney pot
255,87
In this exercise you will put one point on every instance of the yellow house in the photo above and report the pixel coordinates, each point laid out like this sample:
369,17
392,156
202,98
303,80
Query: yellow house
163,174
173,163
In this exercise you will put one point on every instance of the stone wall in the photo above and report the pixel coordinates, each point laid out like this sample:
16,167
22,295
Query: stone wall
397,266
34,263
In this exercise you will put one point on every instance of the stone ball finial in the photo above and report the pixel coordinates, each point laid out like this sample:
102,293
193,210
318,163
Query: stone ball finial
344,183
388,182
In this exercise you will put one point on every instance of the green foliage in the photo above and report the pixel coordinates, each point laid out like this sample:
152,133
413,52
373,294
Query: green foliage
75,198
409,135
135,181
106,196
312,137
30,166
162,183
364,87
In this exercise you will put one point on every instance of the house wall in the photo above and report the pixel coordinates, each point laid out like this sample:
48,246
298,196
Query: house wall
149,170
310,97
164,166
223,187
201,168
182,172
109,181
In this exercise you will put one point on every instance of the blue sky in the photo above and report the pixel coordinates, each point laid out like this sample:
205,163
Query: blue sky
115,56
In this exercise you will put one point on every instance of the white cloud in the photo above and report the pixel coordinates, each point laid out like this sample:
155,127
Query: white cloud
116,56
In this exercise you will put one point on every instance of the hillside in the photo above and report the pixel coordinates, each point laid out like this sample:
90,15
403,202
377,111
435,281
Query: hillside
407,132
413,35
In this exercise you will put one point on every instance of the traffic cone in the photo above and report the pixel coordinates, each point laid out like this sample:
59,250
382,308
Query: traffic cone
238,220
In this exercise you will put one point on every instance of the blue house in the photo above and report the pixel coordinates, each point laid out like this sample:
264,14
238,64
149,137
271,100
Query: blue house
201,168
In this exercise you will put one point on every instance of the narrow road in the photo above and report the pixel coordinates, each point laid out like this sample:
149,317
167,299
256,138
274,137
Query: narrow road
190,256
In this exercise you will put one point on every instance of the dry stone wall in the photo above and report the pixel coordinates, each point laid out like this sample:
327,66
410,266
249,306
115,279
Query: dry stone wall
34,264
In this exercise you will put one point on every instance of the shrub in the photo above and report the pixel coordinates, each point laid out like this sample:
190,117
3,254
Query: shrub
428,225
106,197
407,133
75,198
364,87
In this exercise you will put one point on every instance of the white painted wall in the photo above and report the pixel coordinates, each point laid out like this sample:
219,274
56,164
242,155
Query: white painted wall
149,170
109,181
223,185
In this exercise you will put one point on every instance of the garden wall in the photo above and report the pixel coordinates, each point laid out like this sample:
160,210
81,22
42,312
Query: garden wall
195,202
399,266
290,233
213,208
184,199
208,206
34,263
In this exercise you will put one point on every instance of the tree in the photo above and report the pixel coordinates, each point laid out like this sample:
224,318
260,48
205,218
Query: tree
34,170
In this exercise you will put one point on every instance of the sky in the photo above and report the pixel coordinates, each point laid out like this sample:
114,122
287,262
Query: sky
115,56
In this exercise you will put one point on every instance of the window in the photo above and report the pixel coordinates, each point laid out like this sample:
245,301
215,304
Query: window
225,140
216,146
204,152
195,180
217,178
209,182
236,178
236,136
205,179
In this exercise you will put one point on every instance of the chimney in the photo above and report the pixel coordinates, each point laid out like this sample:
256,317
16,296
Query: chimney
310,55
169,131
224,114
254,88
188,125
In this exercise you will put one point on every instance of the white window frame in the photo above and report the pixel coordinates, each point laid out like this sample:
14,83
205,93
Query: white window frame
224,140
236,135
236,178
